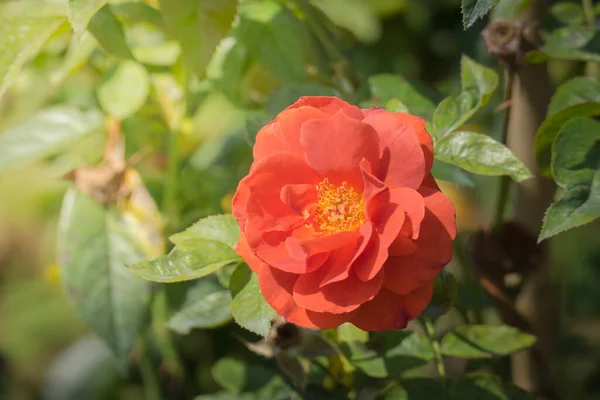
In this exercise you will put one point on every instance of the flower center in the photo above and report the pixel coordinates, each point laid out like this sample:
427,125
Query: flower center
337,209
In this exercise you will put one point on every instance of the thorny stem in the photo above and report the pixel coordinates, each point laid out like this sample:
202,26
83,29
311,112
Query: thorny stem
592,68
437,351
505,180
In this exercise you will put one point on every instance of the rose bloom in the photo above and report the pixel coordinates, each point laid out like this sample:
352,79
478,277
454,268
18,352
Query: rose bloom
341,218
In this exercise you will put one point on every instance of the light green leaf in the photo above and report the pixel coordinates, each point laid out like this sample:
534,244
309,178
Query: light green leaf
576,169
445,291
350,333
227,67
80,13
389,353
484,341
138,12
385,87
568,13
472,10
44,134
200,250
230,374
577,43
486,387
24,28
249,308
478,84
417,389
92,256
77,56
480,154
578,97
353,15
108,31
124,89
209,311
273,36
198,26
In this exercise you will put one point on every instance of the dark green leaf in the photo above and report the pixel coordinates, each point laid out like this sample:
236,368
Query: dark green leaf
445,290
576,169
568,13
248,307
230,374
124,90
24,28
198,26
417,389
578,97
199,251
207,311
273,36
486,387
385,87
484,341
81,11
450,173
45,133
389,353
569,43
108,31
480,154
92,256
472,10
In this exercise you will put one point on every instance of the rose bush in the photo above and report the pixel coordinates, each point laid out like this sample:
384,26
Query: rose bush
341,218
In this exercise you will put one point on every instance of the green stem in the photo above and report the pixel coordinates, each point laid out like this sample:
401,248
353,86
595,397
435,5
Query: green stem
170,205
437,351
162,337
592,69
149,379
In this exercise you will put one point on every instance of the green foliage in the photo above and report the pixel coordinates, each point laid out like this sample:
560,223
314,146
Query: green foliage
569,43
578,97
124,89
46,133
480,154
478,83
472,10
386,87
109,33
200,250
576,169
248,307
484,341
445,291
92,257
81,12
486,387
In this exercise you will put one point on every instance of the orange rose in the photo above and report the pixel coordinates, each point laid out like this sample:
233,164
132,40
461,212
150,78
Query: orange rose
341,218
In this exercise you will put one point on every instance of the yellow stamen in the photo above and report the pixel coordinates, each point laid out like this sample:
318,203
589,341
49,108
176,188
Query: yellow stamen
337,209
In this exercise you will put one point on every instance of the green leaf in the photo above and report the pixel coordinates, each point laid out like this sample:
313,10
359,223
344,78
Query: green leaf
576,169
451,173
209,311
385,87
389,353
417,389
486,387
248,307
230,374
45,133
472,10
200,250
80,13
480,154
350,333
228,66
578,97
484,341
198,26
24,28
92,256
478,84
355,16
124,89
138,12
273,36
569,43
445,291
109,33
568,13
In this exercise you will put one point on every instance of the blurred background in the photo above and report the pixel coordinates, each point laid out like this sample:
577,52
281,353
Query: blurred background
46,352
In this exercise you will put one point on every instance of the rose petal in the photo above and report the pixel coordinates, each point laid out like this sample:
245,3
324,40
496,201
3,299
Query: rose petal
299,197
329,105
338,297
302,249
389,311
402,162
340,263
335,147
276,287
243,250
